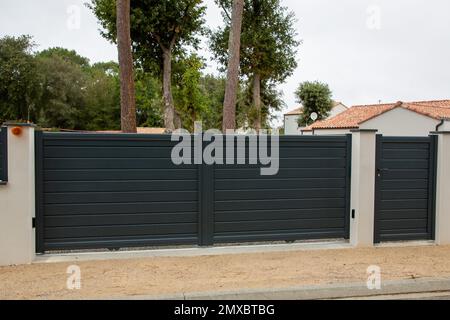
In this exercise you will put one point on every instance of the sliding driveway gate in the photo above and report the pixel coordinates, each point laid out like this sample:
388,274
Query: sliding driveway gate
119,190
405,188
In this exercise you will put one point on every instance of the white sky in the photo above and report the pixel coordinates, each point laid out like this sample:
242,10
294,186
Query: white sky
367,51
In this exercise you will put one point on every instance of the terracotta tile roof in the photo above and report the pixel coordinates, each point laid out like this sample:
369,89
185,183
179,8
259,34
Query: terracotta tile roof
353,117
298,111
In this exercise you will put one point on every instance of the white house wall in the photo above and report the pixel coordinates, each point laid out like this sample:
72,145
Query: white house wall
327,132
336,110
291,125
401,122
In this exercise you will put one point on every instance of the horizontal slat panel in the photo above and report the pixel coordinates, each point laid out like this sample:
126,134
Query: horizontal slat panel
119,219
404,184
405,164
105,186
279,204
399,224
403,214
112,163
406,154
120,230
405,235
279,194
404,204
404,194
112,208
120,174
297,224
278,235
114,197
279,214
107,152
120,241
236,184
402,174
243,173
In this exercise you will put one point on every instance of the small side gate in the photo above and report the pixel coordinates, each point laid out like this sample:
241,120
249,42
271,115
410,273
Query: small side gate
405,188
119,190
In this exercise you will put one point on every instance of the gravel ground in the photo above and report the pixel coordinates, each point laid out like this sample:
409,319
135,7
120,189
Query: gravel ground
164,275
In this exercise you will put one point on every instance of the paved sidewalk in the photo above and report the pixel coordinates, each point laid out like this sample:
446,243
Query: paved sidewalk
398,289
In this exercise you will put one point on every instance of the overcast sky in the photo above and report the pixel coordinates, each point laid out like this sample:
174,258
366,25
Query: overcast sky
367,51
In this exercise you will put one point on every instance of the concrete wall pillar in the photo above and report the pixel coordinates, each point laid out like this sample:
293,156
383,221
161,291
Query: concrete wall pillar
17,198
363,187
443,189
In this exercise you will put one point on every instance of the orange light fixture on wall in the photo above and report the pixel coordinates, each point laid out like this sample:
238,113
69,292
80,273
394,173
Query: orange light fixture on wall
17,131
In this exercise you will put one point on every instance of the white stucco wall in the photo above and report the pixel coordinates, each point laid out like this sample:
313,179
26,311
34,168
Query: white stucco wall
17,205
327,132
291,125
401,122
336,110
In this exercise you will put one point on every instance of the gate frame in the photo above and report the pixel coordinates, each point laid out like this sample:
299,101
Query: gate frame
432,184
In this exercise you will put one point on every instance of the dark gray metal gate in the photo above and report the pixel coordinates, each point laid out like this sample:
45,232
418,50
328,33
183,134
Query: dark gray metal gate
111,191
308,198
405,188
118,190
3,155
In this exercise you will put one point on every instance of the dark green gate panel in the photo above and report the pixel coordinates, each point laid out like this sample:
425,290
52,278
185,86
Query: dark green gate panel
307,199
111,191
405,188
3,154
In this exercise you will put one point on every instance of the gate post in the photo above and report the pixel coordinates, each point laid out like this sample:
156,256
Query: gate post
442,221
17,198
363,187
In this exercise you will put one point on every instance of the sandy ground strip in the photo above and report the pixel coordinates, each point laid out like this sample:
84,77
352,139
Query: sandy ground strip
172,275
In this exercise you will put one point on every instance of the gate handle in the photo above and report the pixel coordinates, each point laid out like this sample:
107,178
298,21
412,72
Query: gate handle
380,171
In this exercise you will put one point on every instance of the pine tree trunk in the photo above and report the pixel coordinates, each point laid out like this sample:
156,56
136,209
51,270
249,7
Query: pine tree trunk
234,47
169,108
257,100
127,91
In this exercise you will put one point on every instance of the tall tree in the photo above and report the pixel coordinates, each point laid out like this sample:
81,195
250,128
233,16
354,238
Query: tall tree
314,97
268,46
127,91
20,80
160,29
234,45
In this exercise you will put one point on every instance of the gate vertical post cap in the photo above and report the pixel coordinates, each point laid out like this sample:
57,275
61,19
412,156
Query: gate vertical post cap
19,124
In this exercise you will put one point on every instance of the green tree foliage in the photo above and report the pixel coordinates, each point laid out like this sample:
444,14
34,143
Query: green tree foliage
20,82
160,30
268,47
102,97
149,104
314,97
190,100
66,55
271,102
213,89
58,88
62,102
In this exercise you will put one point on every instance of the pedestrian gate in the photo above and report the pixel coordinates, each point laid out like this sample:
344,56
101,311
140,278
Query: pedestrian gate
405,188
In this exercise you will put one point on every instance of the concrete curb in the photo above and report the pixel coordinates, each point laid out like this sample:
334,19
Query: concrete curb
191,252
334,291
